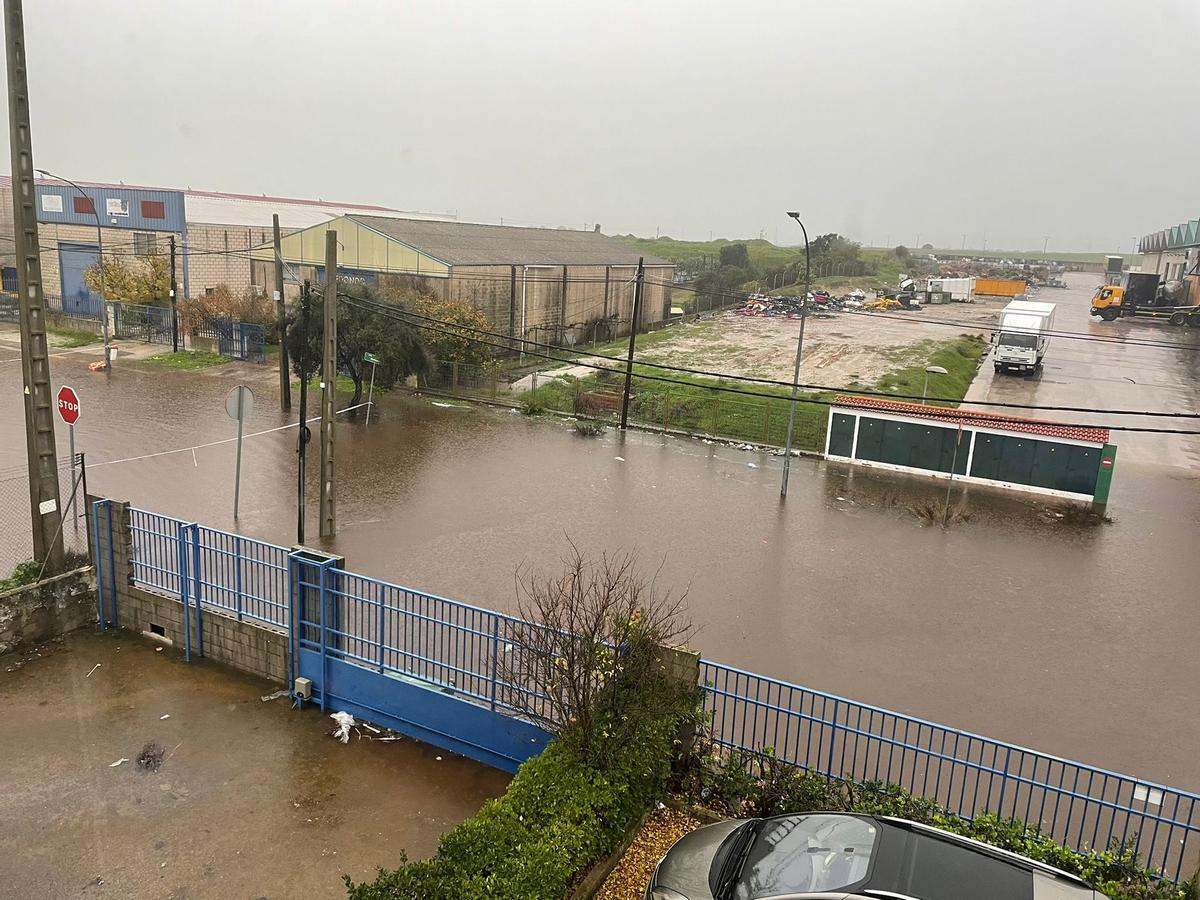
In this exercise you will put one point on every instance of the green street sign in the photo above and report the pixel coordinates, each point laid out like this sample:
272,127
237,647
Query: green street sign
371,358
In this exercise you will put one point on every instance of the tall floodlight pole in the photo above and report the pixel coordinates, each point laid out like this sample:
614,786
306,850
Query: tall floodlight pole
41,454
787,447
100,253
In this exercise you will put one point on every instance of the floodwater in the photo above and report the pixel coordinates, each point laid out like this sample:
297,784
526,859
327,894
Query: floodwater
252,799
1074,640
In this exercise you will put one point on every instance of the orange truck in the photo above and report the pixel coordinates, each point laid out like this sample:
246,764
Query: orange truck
999,287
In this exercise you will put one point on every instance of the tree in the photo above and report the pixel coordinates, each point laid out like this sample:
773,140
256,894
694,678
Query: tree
720,287
901,253
585,660
449,344
146,279
737,256
396,343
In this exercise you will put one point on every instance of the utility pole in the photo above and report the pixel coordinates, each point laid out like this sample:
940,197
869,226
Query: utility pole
787,447
328,508
305,433
633,330
174,303
1045,244
41,455
285,382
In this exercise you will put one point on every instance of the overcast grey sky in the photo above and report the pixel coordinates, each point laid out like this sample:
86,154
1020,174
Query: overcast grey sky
883,120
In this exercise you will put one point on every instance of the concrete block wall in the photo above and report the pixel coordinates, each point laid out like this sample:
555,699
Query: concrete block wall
51,607
243,644
218,254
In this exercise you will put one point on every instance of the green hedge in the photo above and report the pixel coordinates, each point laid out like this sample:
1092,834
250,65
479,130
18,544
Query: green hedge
743,784
557,817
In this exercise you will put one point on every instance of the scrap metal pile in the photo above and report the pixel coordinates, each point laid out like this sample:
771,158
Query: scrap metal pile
790,307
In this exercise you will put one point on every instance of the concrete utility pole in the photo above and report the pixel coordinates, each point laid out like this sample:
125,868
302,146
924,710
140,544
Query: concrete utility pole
305,434
787,447
328,504
174,302
633,330
285,383
41,454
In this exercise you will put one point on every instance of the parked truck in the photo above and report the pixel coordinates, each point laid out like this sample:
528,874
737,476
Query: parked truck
1143,294
1025,329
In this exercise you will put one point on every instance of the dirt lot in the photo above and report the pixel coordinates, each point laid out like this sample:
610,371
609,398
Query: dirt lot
249,799
840,349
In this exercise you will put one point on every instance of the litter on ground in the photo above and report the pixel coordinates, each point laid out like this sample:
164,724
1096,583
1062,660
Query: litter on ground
94,668
275,696
123,759
345,722
151,756
164,717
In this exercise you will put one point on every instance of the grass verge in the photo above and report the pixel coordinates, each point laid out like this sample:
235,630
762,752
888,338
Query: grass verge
69,338
188,360
959,357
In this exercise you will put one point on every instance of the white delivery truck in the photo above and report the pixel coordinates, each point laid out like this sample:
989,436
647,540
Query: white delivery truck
956,290
1024,334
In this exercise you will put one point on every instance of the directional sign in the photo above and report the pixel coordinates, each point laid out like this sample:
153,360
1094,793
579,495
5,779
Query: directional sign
68,405
371,359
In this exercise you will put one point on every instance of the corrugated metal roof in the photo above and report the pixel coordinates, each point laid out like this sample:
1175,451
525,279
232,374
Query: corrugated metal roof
969,417
468,243
215,208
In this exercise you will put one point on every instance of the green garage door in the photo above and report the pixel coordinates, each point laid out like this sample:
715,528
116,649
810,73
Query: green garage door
916,445
1038,463
841,435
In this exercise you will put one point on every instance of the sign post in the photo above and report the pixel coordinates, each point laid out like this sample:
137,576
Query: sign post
240,406
68,411
374,361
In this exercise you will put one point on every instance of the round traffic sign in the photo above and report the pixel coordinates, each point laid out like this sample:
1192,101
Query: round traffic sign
239,404
68,405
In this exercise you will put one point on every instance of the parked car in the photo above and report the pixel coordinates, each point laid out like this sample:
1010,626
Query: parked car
840,856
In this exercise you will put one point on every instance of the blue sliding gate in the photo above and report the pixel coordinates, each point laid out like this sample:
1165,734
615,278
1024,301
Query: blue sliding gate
423,665
432,668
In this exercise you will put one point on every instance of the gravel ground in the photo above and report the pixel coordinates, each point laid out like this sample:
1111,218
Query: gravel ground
628,880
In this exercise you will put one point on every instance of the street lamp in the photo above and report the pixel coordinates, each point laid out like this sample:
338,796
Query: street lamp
100,251
787,447
931,370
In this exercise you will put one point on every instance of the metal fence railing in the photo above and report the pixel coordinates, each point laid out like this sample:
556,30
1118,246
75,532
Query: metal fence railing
17,526
458,647
1080,805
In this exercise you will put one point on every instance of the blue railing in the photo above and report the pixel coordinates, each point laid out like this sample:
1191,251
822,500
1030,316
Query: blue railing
1080,805
462,648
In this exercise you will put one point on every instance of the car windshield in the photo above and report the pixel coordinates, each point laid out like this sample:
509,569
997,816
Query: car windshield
1018,339
807,853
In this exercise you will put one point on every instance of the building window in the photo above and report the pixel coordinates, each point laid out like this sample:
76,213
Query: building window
84,206
143,243
153,209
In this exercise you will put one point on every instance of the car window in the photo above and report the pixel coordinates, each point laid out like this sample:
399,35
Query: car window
942,870
808,853
1018,339
1047,887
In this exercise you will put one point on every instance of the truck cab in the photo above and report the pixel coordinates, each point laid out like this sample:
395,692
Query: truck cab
1106,302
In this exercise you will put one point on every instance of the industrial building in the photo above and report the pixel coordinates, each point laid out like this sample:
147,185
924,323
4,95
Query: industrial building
1174,253
213,232
543,284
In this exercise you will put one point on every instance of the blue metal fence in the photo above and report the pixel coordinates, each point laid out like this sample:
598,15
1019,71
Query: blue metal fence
458,647
1080,805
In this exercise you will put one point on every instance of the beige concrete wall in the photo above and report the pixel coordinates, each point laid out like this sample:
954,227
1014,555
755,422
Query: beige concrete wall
219,254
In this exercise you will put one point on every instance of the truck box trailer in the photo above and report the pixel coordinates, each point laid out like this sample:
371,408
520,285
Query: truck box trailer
999,287
1024,335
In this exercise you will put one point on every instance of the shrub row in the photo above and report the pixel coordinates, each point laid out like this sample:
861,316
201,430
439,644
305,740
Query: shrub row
743,784
558,816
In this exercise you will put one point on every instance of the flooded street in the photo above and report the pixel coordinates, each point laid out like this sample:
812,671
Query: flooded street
1077,641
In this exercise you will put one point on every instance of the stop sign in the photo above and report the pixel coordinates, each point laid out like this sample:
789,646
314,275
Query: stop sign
68,405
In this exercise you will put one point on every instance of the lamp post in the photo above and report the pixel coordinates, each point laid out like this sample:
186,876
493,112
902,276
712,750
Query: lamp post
787,447
931,370
100,251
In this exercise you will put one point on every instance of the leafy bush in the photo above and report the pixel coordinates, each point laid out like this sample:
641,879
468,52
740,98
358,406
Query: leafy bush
750,784
558,816
587,428
24,573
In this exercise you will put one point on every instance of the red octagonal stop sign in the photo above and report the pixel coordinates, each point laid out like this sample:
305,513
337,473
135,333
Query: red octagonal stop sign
68,405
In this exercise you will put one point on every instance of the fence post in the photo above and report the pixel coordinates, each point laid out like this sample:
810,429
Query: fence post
454,375
832,735
197,584
495,658
379,629
181,549
1004,784
96,555
237,576
767,425
321,623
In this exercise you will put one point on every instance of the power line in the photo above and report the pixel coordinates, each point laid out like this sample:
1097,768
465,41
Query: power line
401,315
387,308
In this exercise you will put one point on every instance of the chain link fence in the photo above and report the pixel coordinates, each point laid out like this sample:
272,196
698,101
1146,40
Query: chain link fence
725,410
15,522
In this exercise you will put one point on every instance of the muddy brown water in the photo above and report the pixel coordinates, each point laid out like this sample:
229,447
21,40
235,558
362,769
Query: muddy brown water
1077,641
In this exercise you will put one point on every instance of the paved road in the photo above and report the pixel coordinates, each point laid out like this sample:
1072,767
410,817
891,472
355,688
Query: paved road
1112,373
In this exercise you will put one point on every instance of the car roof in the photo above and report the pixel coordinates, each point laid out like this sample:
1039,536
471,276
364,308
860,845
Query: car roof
980,846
